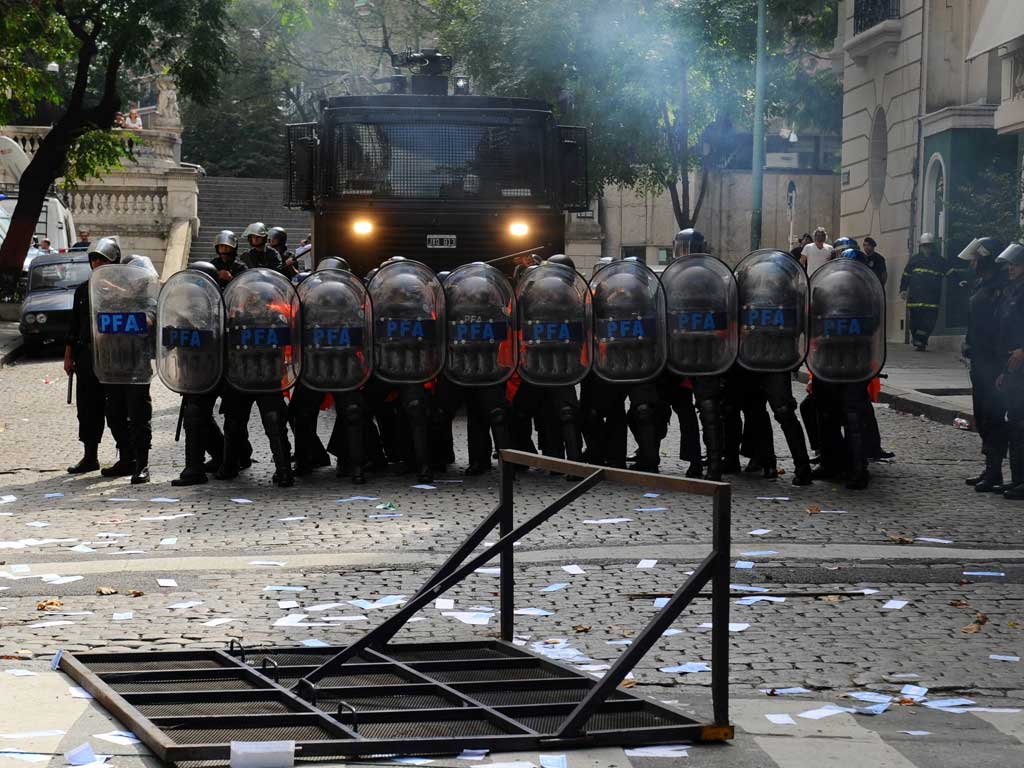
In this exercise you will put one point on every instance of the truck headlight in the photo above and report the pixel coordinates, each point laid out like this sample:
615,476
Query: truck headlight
519,229
362,226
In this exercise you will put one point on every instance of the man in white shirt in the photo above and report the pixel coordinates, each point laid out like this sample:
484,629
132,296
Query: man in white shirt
817,253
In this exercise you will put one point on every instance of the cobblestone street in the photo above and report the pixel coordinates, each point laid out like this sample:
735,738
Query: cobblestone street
229,546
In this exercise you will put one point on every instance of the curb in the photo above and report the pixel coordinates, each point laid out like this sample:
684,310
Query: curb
9,355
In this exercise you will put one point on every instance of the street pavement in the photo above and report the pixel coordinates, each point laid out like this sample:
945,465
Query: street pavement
822,544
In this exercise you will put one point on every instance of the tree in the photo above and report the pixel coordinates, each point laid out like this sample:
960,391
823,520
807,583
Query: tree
986,204
101,41
659,83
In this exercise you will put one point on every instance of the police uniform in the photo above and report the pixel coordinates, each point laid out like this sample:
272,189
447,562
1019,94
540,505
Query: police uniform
1011,339
90,397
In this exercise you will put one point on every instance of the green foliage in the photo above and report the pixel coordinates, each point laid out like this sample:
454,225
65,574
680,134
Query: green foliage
987,205
31,37
647,77
98,152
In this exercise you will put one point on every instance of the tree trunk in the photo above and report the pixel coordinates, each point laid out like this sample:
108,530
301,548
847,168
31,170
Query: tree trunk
33,186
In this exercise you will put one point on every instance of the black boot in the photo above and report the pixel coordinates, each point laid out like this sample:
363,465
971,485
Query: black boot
121,468
992,477
88,463
141,473
859,479
977,479
695,470
195,471
1015,491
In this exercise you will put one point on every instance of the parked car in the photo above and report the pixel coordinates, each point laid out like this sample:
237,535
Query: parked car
52,279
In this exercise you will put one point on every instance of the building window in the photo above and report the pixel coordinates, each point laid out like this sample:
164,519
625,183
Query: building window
935,199
868,13
635,252
664,255
878,158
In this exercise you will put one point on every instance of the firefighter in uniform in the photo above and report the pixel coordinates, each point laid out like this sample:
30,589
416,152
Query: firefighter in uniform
981,348
90,398
921,287
1011,379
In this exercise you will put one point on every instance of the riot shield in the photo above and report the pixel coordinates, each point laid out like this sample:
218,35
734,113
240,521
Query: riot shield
480,307
123,301
703,334
772,289
555,325
190,321
337,331
262,332
847,323
409,310
629,322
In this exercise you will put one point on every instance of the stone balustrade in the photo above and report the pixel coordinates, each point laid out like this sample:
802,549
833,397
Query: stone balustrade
132,203
149,149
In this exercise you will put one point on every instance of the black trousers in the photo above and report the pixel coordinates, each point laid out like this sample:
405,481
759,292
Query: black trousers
202,435
778,390
922,323
487,415
90,398
681,400
353,437
557,411
845,413
237,406
989,407
303,412
130,416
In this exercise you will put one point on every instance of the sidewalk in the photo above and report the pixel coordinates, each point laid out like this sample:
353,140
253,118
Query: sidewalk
10,341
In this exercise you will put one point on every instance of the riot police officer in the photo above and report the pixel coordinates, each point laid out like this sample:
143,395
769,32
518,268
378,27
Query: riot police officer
122,295
773,339
225,260
90,397
702,342
190,361
260,254
981,348
1011,379
279,242
847,350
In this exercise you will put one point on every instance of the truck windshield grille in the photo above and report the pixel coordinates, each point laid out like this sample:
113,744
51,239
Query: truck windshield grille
439,161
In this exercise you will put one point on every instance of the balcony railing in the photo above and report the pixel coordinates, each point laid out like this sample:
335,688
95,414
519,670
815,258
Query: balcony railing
868,13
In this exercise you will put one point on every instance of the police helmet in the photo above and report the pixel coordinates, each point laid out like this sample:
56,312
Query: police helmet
982,248
443,275
107,249
843,243
604,261
565,261
854,253
927,239
333,262
205,267
298,278
278,233
688,241
226,237
370,275
1014,254
256,229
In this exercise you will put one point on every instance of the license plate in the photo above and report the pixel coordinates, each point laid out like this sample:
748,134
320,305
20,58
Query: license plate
441,241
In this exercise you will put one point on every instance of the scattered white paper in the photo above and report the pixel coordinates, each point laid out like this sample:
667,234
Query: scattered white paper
218,622
41,624
57,580
166,583
286,604
933,540
747,588
111,535
670,632
267,562
593,667
623,641
914,692
77,692
664,750
313,642
31,734
759,553
280,588
773,498
121,738
152,518
873,709
472,754
689,666
733,626
609,521
26,757
651,495
384,515
444,604
905,676
7,498
744,564
660,602
863,591
871,696
164,499
895,605
758,598
357,498
574,569
411,760
512,764
291,620
81,755
83,548
20,672
185,604
822,712
37,524
650,509
169,541
531,612
353,617
555,587
123,616
242,501
781,719
1000,657
382,602
792,691
290,519
426,487
984,573
489,571
949,703
262,754
553,761
469,617
760,531
647,564
917,733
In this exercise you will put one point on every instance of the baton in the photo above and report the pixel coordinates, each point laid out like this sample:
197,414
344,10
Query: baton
518,253
71,378
181,418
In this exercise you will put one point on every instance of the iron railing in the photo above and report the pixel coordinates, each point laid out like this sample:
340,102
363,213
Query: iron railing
868,13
